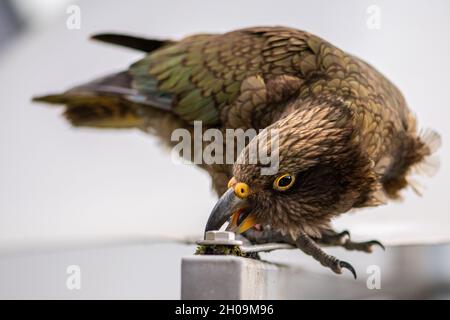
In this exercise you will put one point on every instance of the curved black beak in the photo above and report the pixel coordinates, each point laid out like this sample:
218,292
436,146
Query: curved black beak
227,205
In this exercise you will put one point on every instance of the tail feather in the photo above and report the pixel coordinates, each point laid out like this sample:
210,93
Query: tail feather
112,101
97,111
100,103
108,102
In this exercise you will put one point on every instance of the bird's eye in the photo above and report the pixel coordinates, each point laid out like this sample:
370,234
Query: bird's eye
284,182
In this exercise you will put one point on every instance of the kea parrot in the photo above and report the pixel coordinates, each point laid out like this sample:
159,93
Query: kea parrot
345,136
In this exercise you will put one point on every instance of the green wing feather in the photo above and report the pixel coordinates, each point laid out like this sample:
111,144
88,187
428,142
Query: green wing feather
204,73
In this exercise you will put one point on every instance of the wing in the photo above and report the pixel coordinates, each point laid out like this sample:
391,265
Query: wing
236,79
239,79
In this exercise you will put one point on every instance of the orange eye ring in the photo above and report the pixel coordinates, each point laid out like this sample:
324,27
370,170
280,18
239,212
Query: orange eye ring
284,182
242,190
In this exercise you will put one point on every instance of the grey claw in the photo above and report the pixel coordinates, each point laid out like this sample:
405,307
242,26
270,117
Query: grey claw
377,243
344,233
344,236
348,266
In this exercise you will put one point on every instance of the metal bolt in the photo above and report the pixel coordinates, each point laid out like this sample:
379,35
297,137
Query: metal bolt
220,238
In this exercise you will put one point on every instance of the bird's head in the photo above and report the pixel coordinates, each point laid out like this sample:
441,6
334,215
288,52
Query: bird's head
321,172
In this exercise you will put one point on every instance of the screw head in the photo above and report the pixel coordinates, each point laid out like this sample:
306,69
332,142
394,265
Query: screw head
220,238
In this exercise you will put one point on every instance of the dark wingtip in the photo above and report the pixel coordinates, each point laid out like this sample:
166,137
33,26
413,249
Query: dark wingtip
51,98
38,99
142,44
104,37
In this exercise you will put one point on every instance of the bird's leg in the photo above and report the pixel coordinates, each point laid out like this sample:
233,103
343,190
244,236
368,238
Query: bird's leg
342,239
304,243
310,247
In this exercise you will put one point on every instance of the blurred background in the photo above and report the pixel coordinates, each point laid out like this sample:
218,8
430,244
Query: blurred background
111,202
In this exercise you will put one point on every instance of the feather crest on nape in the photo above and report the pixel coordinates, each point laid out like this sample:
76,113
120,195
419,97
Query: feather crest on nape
431,139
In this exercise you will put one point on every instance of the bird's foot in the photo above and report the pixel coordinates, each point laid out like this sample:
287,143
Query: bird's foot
342,239
332,238
366,246
310,247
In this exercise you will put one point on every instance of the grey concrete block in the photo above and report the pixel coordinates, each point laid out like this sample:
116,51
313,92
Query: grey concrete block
227,277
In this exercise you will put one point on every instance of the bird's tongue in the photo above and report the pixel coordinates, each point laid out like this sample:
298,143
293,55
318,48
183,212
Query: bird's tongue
242,220
238,217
